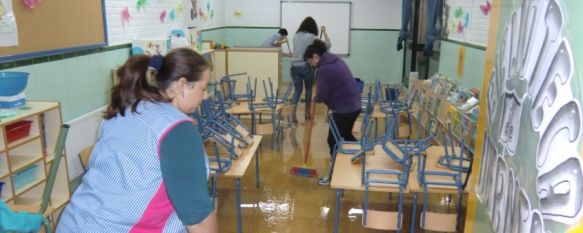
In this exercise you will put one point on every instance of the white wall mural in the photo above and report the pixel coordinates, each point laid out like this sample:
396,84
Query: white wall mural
531,173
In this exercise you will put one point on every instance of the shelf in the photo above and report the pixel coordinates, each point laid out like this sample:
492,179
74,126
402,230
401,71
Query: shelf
39,180
50,157
18,162
58,201
25,140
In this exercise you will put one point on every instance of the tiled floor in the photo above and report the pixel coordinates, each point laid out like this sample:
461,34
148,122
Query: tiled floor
287,203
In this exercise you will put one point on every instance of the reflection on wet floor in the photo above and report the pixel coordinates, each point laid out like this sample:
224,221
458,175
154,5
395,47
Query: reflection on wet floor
287,203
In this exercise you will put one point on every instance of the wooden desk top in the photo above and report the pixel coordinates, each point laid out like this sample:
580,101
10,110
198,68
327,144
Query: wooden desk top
239,166
239,108
348,175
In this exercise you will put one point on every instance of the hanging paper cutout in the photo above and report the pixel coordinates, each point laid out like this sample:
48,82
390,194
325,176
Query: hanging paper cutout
172,15
486,8
467,20
208,6
193,13
459,12
179,8
238,13
200,12
460,28
140,4
31,3
212,14
162,16
125,15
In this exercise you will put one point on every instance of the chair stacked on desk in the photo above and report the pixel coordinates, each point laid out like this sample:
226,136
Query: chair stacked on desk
431,176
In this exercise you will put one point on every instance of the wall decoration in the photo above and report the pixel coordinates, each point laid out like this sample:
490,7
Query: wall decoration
8,29
467,21
30,4
125,15
162,16
172,15
193,12
141,4
532,97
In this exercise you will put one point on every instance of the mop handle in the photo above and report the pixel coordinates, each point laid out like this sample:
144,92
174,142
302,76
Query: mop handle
309,138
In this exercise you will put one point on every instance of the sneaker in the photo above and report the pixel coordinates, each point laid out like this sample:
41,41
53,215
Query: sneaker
324,181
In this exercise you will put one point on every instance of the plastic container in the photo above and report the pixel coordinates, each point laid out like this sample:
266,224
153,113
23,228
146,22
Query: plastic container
12,83
25,177
1,184
17,130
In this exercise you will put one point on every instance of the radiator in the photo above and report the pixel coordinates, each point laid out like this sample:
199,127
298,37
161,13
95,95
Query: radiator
82,133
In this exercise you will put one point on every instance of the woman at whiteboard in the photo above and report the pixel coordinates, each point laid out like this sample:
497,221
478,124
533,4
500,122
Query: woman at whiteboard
301,72
148,171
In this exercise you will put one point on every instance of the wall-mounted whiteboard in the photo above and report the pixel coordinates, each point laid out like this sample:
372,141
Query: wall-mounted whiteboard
365,14
334,15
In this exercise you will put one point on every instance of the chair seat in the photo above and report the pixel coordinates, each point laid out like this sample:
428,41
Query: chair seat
381,220
442,222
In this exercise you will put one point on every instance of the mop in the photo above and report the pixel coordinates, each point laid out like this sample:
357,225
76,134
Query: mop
304,170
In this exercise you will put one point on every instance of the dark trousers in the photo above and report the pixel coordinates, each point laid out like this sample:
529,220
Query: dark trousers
344,122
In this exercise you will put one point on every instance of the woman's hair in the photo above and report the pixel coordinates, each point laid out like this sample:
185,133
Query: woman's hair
134,85
318,47
283,32
309,25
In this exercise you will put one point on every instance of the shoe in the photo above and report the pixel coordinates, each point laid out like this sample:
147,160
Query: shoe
324,181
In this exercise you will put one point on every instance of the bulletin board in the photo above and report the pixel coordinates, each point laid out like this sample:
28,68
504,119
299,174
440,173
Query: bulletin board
53,27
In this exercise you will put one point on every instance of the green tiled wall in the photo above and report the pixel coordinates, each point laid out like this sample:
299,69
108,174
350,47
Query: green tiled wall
81,83
473,65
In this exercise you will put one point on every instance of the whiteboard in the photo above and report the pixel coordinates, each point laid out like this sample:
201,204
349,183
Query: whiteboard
334,15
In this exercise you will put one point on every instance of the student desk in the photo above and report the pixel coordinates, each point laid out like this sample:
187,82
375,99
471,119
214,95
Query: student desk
238,169
348,176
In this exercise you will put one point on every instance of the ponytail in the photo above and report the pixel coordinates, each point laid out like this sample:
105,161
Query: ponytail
136,84
133,86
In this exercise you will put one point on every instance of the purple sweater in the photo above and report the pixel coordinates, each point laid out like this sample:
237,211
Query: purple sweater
336,85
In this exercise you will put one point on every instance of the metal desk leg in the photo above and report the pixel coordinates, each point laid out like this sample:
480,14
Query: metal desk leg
339,193
239,224
414,213
253,129
257,168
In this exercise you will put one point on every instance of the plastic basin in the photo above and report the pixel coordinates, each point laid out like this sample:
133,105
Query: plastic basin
12,82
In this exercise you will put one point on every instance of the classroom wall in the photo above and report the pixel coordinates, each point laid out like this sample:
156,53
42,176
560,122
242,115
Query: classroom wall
366,46
473,64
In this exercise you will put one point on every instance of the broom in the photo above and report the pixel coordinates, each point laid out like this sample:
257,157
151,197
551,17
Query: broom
304,170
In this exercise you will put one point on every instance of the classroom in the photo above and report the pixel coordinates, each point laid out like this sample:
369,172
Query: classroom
291,116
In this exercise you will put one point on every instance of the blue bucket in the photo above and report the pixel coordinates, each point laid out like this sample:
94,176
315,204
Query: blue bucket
12,83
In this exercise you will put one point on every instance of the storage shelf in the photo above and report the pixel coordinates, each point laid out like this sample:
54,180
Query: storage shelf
19,162
39,179
50,157
21,141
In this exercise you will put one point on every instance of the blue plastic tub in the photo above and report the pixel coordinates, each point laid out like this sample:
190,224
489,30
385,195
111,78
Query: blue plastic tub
25,177
12,82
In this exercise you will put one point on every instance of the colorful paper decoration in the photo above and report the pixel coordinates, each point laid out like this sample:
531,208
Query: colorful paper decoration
208,6
162,16
31,3
125,15
466,19
200,12
179,8
238,13
212,13
140,4
172,15
486,8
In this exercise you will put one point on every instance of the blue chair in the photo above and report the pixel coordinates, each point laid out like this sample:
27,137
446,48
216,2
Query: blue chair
452,159
444,178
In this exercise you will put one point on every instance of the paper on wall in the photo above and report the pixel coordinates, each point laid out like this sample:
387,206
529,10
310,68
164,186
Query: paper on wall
8,30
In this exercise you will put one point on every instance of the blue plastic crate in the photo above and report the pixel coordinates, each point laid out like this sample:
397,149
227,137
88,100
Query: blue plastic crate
25,177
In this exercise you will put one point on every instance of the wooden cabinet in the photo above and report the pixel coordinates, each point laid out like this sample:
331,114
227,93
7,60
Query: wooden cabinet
26,155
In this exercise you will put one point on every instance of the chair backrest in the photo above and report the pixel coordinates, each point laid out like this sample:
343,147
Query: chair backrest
59,149
84,157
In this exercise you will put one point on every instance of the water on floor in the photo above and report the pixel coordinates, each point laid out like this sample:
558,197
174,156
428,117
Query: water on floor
286,203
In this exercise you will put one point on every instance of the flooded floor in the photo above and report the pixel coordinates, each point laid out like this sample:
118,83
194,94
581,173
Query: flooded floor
288,203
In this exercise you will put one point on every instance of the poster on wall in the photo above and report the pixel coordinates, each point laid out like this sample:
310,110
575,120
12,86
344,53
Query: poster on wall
8,30
531,176
467,20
